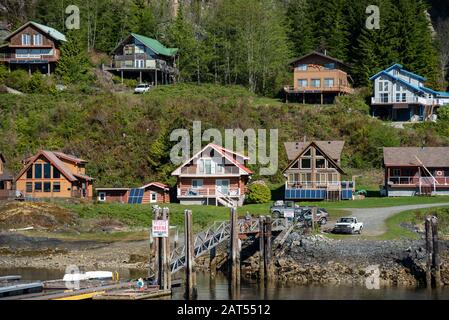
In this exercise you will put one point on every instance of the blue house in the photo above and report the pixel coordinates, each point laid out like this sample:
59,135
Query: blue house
314,172
400,95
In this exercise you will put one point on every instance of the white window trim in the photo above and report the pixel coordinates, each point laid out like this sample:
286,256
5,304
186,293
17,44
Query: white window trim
199,185
102,196
151,196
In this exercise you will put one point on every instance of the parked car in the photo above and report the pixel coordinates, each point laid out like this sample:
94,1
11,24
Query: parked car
321,217
348,225
282,209
142,88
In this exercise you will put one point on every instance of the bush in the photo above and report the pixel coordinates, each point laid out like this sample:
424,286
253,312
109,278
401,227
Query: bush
3,74
18,80
258,192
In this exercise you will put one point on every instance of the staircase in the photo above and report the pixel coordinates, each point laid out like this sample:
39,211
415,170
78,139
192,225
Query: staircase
225,200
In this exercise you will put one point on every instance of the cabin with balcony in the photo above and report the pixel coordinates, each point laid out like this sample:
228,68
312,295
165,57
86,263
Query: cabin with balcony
33,47
145,59
314,172
400,95
415,171
151,193
6,180
318,79
52,174
213,176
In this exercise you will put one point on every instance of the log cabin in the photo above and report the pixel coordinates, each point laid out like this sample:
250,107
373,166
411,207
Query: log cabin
318,79
138,56
314,171
34,47
412,171
52,174
6,179
213,176
151,193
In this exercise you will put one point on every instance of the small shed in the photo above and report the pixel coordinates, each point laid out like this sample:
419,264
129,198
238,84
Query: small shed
154,192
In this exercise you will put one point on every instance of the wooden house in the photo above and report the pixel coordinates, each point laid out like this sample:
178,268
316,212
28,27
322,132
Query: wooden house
6,179
213,176
51,174
314,171
33,47
151,193
318,79
411,171
144,58
400,95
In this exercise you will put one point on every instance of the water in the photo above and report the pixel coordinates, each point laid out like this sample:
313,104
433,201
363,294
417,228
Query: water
250,289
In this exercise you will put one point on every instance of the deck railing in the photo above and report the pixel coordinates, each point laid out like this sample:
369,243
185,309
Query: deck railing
319,185
218,171
415,180
207,192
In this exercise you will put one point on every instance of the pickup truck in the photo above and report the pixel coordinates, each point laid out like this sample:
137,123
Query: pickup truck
348,225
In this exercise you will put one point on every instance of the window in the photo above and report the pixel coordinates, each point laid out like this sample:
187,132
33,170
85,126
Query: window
321,178
38,187
384,97
320,163
308,153
396,172
329,66
47,170
37,39
306,178
30,173
153,197
306,163
301,67
38,171
316,83
139,64
383,85
328,82
404,97
56,173
332,178
47,186
56,187
102,196
26,39
302,83
197,183
29,187
208,166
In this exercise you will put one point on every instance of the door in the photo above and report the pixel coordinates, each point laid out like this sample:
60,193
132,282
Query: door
153,197
222,186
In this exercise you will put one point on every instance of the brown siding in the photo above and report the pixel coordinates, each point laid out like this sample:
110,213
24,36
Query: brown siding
162,196
120,196
16,40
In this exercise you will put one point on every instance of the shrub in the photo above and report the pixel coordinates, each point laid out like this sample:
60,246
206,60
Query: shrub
3,74
258,192
18,80
36,83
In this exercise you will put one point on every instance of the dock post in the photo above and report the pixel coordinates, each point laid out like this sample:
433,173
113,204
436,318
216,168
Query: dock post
191,290
166,252
213,263
429,249
235,249
261,248
156,251
436,252
268,250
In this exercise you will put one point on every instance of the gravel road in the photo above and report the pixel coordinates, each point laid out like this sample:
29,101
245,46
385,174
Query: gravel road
374,218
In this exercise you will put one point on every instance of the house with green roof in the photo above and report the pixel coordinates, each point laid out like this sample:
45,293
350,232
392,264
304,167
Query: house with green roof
33,46
145,59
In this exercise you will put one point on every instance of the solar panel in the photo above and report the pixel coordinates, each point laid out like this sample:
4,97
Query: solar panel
136,195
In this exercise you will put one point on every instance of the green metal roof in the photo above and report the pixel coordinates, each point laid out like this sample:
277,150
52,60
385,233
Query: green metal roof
155,45
55,34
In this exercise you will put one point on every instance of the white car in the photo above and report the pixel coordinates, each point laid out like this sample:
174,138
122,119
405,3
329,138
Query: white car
348,225
142,88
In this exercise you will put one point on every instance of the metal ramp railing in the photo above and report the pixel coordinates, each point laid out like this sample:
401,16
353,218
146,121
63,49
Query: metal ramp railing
217,233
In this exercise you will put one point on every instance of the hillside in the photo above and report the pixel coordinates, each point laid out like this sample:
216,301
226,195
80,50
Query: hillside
126,137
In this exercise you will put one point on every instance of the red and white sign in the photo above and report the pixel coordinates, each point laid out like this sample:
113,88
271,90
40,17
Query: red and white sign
160,229
440,173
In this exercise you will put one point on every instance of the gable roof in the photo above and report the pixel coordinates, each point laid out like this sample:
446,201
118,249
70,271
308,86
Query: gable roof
333,149
406,156
151,43
53,33
316,53
226,153
400,67
326,155
156,184
54,160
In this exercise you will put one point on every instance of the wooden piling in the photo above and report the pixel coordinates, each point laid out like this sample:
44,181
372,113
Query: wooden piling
429,250
436,252
261,248
213,263
235,249
166,274
314,214
191,290
269,271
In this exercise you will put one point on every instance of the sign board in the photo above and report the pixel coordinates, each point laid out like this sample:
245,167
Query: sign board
160,229
289,213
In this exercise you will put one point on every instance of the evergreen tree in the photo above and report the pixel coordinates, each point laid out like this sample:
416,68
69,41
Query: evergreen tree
300,27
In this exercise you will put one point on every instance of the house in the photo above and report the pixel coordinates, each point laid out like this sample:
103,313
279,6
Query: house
154,192
51,174
411,171
318,79
400,95
145,58
213,176
6,179
314,171
33,47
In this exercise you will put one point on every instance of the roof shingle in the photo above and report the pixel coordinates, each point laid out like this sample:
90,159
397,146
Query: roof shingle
406,156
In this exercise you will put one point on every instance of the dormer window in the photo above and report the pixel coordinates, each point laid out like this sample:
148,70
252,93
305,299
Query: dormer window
26,39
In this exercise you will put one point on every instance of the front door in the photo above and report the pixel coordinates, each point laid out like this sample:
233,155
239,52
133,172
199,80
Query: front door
222,186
